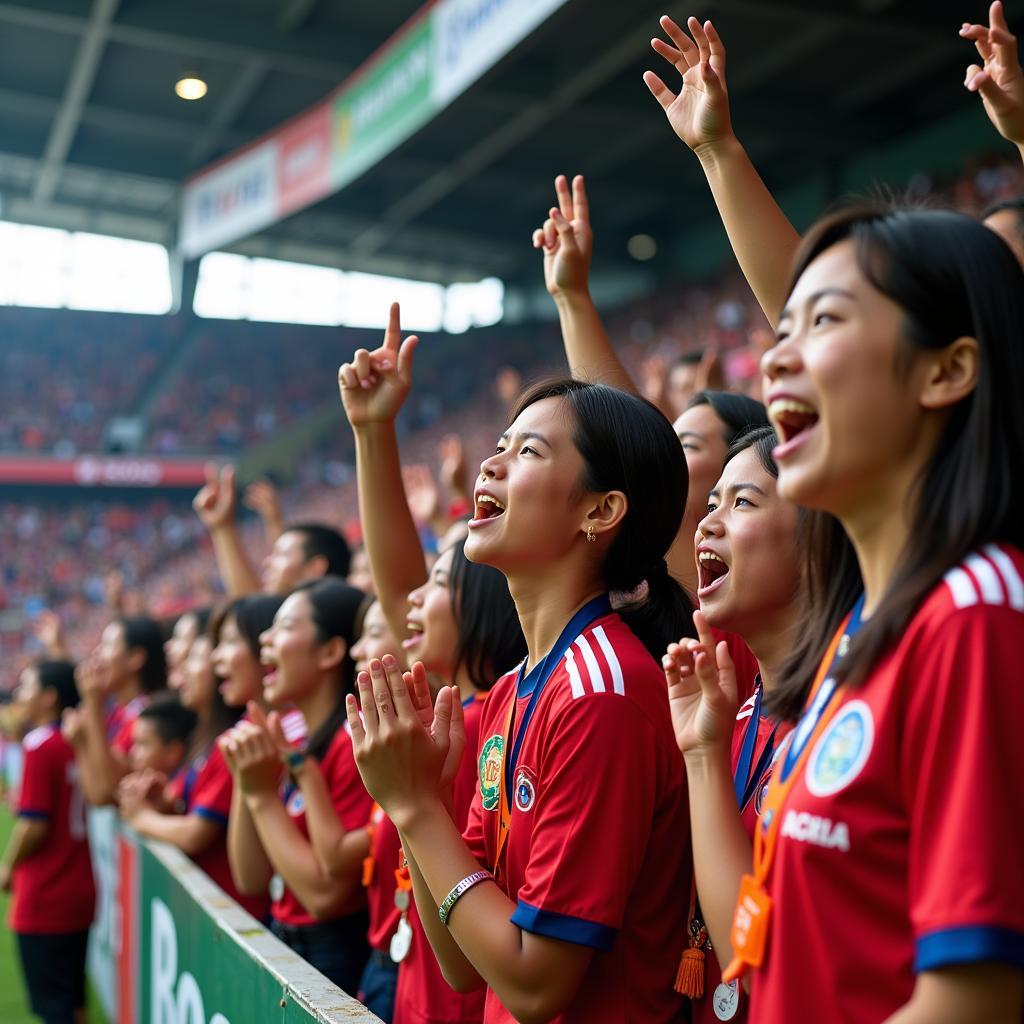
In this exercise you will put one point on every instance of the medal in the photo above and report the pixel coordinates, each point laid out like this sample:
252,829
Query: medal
277,888
402,899
726,1000
401,941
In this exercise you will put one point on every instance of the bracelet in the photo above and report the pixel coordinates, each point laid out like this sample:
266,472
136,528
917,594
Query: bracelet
459,891
294,759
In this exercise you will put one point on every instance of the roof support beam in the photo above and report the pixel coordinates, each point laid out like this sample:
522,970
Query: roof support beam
79,85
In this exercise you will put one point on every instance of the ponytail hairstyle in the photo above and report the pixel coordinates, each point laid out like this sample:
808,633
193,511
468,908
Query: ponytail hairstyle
738,413
144,633
337,610
952,278
627,445
490,638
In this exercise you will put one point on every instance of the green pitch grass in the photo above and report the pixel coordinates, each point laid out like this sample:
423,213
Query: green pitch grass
13,1001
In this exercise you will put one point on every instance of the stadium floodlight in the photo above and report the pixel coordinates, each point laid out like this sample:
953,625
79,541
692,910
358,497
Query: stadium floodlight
190,86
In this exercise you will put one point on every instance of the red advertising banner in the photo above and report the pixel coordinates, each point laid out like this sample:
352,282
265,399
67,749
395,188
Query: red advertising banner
101,471
304,159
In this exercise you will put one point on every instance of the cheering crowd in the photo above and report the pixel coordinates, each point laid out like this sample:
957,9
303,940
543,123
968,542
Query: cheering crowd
709,717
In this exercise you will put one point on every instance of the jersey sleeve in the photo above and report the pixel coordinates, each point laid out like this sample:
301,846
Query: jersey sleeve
592,821
211,798
40,784
348,794
473,834
964,790
121,744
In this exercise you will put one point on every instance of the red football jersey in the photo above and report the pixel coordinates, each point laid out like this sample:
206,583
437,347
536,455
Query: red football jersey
54,892
351,802
206,792
720,1001
598,849
121,723
423,996
900,844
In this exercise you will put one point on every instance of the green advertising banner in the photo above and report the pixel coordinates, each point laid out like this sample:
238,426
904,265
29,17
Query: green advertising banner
373,113
199,958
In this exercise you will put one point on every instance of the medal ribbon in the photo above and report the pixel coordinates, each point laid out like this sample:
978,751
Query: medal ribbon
744,781
545,668
753,905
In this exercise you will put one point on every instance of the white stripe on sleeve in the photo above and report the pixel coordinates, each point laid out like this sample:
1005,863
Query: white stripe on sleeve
1014,584
987,577
618,683
961,587
574,674
596,676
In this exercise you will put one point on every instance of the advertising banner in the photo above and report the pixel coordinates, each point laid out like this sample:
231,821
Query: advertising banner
432,59
186,953
102,471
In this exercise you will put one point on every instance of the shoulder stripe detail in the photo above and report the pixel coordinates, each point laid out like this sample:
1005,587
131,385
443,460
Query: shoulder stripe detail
618,683
596,676
575,682
38,736
961,587
1014,584
746,708
987,577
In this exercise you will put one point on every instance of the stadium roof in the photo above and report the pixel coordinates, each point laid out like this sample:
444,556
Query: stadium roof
95,139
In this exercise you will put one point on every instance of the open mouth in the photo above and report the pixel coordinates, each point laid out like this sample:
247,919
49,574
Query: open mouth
792,419
487,508
415,631
712,570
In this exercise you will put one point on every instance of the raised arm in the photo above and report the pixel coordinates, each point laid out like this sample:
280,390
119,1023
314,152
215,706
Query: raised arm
761,236
262,497
100,768
567,243
339,852
373,387
215,504
999,80
702,697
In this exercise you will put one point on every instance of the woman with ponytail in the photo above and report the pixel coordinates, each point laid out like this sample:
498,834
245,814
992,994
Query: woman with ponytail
567,897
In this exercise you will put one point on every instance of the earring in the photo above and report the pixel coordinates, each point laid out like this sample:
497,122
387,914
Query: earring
591,535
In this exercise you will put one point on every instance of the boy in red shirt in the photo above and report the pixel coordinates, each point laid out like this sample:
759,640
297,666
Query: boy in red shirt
47,860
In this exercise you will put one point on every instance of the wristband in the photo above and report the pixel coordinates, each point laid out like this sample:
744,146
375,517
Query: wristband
459,891
294,759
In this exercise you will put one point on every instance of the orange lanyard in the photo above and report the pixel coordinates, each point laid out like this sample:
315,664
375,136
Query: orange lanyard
749,933
369,861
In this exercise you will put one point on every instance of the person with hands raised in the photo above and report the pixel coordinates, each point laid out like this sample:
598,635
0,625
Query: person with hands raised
750,575
459,621
532,901
761,236
263,498
320,914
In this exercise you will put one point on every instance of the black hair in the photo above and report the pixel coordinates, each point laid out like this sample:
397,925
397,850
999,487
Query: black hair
253,615
952,278
326,542
337,610
143,633
691,358
490,639
627,445
1014,205
171,719
737,412
59,676
201,615
763,440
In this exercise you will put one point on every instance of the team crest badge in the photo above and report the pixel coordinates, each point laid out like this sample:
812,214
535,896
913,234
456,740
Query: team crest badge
526,791
842,751
296,804
490,772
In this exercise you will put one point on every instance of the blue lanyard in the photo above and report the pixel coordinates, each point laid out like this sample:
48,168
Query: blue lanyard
545,668
744,782
828,689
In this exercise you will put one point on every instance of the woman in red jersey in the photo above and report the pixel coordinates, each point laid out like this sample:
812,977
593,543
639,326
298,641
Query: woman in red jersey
746,549
574,834
306,652
458,622
893,391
